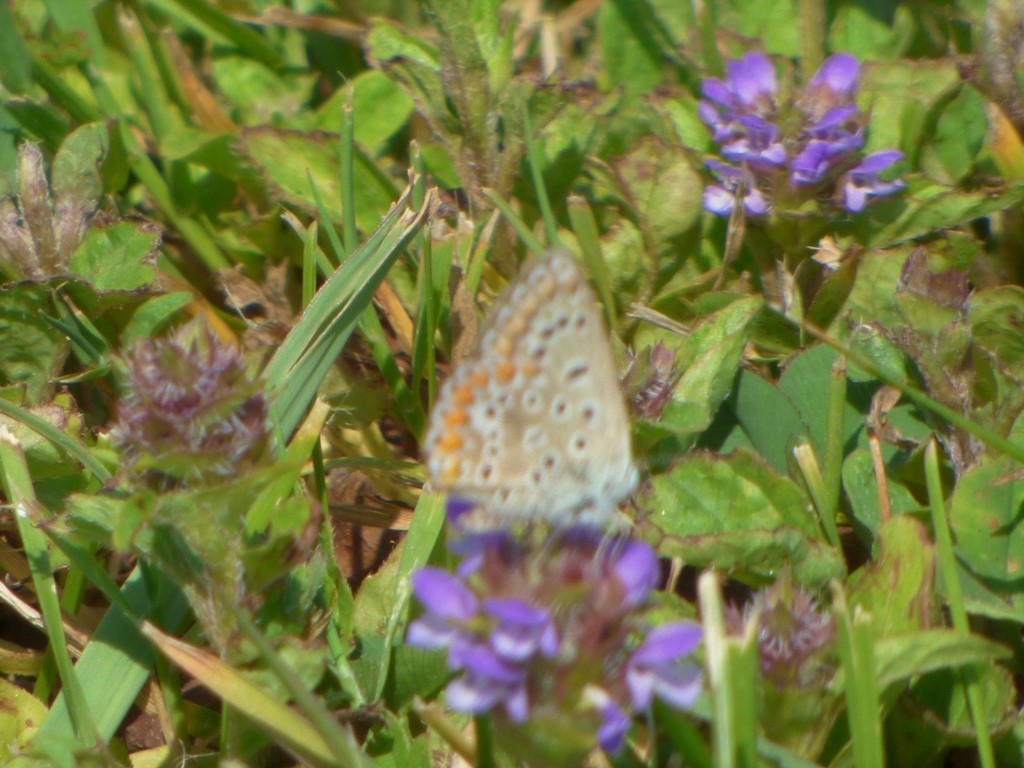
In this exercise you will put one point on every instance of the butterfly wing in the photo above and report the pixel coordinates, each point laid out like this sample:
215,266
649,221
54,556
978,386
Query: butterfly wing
533,425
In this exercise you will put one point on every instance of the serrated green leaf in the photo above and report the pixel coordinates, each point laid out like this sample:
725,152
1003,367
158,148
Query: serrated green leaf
735,514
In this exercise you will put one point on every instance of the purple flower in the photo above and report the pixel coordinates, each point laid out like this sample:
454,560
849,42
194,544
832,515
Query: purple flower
455,509
758,145
658,667
487,681
636,567
192,414
449,603
748,89
480,547
522,630
752,81
834,83
838,129
720,198
614,720
811,165
741,112
862,181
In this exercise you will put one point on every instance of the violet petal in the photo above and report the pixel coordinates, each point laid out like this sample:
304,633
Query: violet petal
443,594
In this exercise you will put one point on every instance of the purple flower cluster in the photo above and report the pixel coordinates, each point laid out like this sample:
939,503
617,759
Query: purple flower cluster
192,413
534,639
795,637
745,120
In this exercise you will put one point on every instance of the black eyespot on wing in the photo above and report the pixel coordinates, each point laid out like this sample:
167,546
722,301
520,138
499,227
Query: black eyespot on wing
576,370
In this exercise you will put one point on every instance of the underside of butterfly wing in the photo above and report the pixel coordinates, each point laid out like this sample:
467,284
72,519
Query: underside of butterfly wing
533,425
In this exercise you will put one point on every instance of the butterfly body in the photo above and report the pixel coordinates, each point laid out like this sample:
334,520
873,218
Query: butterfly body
533,426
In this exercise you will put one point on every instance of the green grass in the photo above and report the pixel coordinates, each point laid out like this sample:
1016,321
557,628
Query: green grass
833,429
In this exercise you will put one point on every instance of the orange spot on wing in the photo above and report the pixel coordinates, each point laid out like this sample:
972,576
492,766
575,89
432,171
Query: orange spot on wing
479,378
506,371
463,394
456,417
451,441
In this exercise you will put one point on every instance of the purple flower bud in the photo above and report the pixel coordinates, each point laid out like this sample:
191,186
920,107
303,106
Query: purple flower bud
835,83
522,631
192,414
862,181
636,567
838,73
658,668
449,603
752,80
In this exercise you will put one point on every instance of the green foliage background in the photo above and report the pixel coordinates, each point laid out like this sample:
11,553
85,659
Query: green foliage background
340,188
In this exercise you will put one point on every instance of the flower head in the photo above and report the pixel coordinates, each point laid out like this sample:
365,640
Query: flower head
541,639
774,158
191,413
794,636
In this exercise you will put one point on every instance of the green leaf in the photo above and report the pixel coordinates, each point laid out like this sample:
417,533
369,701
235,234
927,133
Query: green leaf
709,359
906,656
314,343
33,350
895,587
927,208
868,34
154,315
380,108
958,138
776,24
862,491
805,383
118,257
631,46
20,716
985,515
75,175
768,417
288,158
736,514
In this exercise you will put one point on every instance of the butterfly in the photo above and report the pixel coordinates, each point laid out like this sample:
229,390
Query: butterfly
532,426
